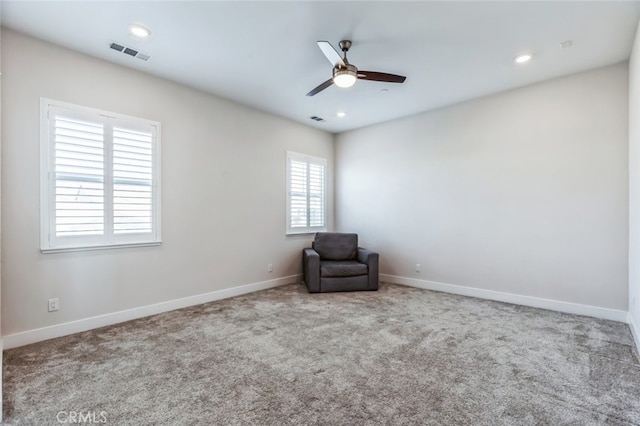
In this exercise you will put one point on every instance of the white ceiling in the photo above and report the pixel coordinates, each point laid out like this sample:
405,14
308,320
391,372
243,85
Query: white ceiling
264,54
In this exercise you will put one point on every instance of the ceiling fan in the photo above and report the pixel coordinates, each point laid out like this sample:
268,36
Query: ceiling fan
346,74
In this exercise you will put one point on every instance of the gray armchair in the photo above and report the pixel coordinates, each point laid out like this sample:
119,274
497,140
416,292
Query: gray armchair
336,263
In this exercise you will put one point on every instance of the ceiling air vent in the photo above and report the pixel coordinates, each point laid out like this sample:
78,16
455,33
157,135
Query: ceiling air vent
316,118
116,46
129,51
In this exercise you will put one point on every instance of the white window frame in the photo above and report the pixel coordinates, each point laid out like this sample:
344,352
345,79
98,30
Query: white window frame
49,242
309,160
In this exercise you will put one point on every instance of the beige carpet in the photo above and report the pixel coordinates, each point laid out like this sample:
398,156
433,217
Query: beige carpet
282,356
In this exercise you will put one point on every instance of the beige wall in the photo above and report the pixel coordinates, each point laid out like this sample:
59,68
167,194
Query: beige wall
634,188
523,192
1,342
223,191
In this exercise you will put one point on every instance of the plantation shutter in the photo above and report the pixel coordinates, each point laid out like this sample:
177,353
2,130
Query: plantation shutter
132,181
306,198
316,195
79,176
298,193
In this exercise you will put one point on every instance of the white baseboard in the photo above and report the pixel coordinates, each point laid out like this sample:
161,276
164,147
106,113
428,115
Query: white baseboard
634,325
64,329
536,302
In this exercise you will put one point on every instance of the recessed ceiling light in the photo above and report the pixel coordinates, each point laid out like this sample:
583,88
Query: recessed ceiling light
139,31
521,59
341,114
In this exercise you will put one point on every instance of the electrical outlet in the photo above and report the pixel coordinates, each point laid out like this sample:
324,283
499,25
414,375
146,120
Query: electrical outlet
418,267
270,267
54,304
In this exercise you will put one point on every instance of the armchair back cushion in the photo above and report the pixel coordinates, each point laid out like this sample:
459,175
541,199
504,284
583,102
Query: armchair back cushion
336,246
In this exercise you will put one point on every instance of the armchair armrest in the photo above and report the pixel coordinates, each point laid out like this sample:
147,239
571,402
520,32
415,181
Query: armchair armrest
371,259
311,269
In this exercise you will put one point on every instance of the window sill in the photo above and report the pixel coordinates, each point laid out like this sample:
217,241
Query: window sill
98,247
306,231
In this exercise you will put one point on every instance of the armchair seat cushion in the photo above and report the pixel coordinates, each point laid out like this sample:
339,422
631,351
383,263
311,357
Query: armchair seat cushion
342,268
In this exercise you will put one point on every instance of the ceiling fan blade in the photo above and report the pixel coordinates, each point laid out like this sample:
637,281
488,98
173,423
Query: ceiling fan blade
321,87
332,55
381,76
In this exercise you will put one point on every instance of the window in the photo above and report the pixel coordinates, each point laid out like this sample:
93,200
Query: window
306,194
100,178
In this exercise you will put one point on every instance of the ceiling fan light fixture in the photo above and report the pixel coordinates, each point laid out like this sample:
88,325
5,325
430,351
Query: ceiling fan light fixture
345,76
344,80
